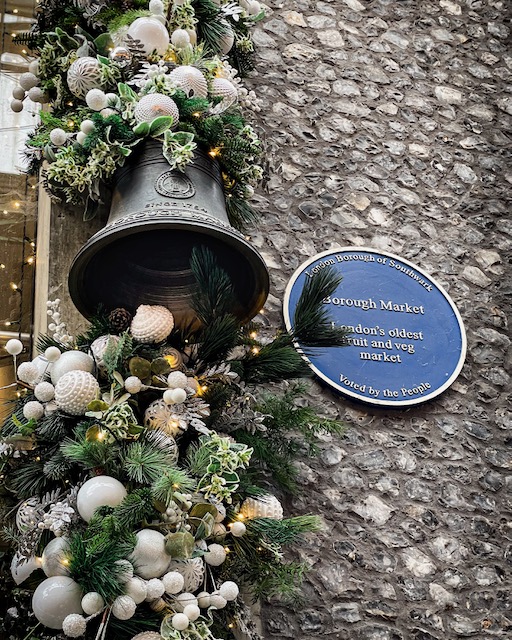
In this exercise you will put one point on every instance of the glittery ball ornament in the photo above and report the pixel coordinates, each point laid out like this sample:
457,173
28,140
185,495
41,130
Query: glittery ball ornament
151,33
173,582
121,56
99,348
149,555
28,80
177,380
147,635
74,625
71,361
92,603
96,99
192,570
44,391
123,608
55,599
222,88
155,105
97,492
27,372
151,323
229,590
190,80
83,75
14,346
137,590
16,106
159,415
33,410
267,506
74,391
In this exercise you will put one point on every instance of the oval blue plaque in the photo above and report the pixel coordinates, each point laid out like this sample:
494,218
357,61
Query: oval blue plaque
407,341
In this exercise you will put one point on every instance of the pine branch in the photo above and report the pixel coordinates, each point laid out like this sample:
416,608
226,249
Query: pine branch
284,532
99,327
57,467
143,463
240,213
54,426
217,338
214,295
210,28
134,509
312,326
29,480
275,361
172,480
90,454
117,352
45,340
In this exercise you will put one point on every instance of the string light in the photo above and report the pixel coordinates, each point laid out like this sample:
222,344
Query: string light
13,286
253,334
255,350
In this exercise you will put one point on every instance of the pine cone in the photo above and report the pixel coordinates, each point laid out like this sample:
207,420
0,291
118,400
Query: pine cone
119,320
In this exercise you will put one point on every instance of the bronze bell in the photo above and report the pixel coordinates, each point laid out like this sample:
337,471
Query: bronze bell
157,217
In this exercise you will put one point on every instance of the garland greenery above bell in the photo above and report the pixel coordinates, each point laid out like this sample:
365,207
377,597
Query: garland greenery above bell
138,468
117,73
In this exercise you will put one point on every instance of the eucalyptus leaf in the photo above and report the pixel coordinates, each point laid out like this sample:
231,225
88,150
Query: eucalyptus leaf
159,125
140,367
142,129
126,92
160,366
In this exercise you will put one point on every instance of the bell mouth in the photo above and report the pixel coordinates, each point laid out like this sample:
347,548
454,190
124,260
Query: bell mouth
144,258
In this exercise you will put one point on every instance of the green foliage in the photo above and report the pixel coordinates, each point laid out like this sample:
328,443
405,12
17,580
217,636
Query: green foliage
277,360
117,352
210,28
124,19
134,509
91,454
171,481
99,326
217,338
44,341
144,463
29,480
54,426
284,532
312,326
214,295
240,213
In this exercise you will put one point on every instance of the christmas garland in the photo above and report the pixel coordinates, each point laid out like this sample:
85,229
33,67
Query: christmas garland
120,72
137,470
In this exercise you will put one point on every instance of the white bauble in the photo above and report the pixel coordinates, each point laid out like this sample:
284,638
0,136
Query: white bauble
83,75
52,354
180,38
55,558
266,506
22,568
74,625
217,601
71,361
96,99
92,603
159,416
192,612
203,599
87,126
149,556
99,348
107,112
33,67
229,590
97,492
180,621
156,7
58,137
132,384
151,33
147,635
44,391
155,589
18,93
123,608
36,94
190,80
222,88
28,372
33,410
16,106
178,396
137,590
173,582
151,323
155,105
192,570
14,346
238,529
80,137
75,390
185,600
28,80
55,599
177,380
215,555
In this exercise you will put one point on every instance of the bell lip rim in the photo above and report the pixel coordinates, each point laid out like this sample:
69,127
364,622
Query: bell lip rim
102,239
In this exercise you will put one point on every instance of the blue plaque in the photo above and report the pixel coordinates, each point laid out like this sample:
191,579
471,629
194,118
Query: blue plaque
407,340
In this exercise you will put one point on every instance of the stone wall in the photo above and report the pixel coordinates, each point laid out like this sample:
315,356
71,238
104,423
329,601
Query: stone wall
388,125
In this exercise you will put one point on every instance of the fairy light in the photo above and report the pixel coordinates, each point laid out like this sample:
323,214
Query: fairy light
100,436
2,265
13,286
255,350
197,114
253,334
30,260
17,205
15,10
214,152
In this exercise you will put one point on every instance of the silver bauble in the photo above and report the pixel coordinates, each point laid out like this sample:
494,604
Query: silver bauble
121,56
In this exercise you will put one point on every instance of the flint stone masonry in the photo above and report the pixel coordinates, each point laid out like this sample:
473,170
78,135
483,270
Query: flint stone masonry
388,124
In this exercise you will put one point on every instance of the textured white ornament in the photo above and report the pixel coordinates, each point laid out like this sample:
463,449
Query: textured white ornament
55,558
184,600
33,410
155,105
107,112
74,391
149,556
55,599
222,88
99,348
147,635
190,80
267,506
137,590
22,568
192,611
151,323
155,589
133,384
203,599
80,137
28,372
87,126
192,570
159,416
238,529
180,621
18,93
215,555
96,99
180,38
71,361
229,590
177,380
58,137
33,67
83,75
217,601
44,391
36,94
92,603
254,8
28,514
156,7
178,395
16,106
14,346
173,582
74,625
52,354
28,80
123,608
97,492
151,33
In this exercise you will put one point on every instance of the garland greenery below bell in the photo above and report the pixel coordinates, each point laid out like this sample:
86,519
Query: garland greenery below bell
118,73
138,468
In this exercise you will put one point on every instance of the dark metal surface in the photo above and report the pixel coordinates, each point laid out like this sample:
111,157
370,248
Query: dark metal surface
157,217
